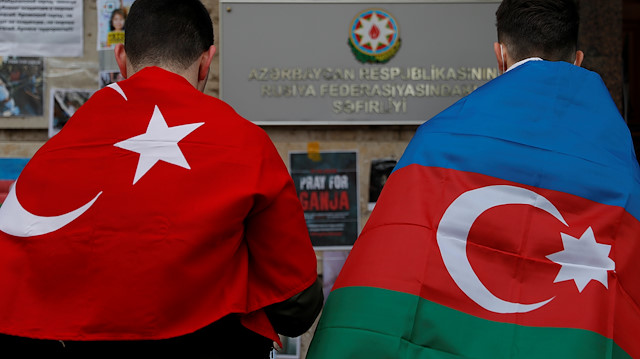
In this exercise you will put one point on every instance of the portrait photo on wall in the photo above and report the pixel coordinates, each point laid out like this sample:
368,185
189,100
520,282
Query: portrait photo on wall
21,86
112,17
64,103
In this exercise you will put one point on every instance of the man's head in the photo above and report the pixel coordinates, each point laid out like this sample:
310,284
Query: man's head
172,34
538,28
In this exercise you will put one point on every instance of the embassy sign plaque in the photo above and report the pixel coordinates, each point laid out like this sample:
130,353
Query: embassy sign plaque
353,63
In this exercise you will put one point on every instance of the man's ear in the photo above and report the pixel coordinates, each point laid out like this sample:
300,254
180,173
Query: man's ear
579,58
205,62
502,62
121,59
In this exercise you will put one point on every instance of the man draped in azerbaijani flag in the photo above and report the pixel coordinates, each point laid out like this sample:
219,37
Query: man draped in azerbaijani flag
510,226
158,222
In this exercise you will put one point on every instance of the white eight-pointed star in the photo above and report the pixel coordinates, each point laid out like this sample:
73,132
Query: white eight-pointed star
159,143
374,31
583,260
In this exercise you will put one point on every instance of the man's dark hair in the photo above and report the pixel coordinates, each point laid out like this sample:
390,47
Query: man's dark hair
542,28
167,32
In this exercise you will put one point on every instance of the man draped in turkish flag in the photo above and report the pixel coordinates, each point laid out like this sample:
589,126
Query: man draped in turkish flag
158,218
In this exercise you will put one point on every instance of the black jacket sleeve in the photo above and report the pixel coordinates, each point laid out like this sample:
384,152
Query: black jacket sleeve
295,315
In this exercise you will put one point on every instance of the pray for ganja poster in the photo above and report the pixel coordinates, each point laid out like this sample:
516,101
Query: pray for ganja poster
327,186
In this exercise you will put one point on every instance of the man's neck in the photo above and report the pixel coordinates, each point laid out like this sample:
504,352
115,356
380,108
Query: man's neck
522,62
190,74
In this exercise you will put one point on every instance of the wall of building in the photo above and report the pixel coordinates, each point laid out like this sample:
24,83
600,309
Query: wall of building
600,38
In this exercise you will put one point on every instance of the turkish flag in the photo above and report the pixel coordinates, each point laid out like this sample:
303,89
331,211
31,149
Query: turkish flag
154,212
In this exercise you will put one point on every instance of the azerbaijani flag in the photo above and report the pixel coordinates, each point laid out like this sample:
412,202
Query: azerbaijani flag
509,229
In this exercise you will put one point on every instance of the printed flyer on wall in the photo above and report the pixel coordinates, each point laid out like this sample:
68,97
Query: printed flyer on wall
327,186
41,28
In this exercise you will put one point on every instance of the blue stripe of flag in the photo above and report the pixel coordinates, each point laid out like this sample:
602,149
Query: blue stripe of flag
527,165
547,125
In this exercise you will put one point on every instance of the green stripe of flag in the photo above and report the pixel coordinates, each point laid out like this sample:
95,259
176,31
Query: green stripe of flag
374,323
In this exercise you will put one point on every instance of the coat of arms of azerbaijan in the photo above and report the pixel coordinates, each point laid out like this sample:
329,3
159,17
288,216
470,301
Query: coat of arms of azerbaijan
374,36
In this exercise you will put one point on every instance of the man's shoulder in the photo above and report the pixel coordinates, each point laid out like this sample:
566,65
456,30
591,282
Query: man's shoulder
226,125
224,113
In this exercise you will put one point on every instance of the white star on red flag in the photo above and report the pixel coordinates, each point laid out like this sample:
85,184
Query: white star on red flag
583,260
159,143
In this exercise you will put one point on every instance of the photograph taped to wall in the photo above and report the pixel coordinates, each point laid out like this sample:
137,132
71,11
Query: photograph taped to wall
380,170
21,86
112,15
64,103
108,77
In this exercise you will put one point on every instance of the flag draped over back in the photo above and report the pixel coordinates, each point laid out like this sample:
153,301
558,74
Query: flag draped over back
509,229
154,212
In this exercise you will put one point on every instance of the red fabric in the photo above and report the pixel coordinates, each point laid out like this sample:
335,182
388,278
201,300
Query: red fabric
507,248
169,254
5,185
259,322
4,189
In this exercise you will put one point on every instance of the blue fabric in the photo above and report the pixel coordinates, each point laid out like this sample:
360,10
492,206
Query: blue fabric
546,124
10,168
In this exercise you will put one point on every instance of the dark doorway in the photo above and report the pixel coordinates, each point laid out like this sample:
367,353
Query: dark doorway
631,68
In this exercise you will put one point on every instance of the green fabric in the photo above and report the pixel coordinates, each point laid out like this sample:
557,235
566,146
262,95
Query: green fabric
374,323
